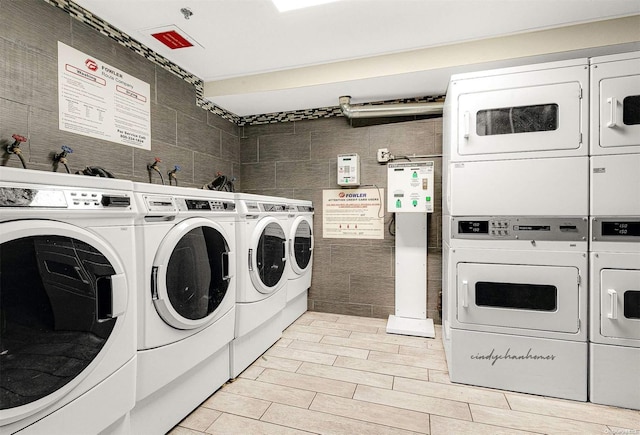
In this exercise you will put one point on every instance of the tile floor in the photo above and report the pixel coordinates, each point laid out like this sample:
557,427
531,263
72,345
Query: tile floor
335,374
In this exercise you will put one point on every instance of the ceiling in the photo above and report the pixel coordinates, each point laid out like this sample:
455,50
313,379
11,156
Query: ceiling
256,60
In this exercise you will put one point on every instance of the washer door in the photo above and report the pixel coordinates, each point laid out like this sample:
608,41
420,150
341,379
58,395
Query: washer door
63,293
301,244
268,255
191,273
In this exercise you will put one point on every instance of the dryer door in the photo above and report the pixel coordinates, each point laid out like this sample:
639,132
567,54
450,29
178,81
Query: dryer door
268,255
620,303
519,121
63,296
191,273
301,244
515,296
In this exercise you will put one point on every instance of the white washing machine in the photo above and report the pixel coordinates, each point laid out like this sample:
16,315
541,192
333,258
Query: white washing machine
186,242
67,305
263,250
300,262
614,333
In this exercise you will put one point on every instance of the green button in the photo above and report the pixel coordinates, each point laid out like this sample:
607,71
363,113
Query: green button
428,199
414,202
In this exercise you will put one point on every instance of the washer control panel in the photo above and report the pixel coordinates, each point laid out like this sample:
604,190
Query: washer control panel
519,228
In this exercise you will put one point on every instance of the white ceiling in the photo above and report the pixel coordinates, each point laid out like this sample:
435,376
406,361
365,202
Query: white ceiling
255,60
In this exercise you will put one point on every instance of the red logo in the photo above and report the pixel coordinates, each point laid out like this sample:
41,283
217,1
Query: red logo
91,64
341,194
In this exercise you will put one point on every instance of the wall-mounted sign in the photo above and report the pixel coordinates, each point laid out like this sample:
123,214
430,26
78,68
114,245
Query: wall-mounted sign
353,214
100,101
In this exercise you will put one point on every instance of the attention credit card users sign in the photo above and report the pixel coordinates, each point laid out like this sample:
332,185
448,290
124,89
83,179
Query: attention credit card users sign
353,214
100,101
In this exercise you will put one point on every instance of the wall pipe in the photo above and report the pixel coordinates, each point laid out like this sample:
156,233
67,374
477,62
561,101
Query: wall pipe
385,110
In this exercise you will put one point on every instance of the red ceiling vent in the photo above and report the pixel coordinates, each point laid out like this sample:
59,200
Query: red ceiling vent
172,39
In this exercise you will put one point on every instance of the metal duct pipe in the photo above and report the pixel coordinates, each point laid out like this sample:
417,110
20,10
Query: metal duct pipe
383,110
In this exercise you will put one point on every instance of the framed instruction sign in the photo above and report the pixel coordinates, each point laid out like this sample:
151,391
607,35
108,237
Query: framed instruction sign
100,101
353,214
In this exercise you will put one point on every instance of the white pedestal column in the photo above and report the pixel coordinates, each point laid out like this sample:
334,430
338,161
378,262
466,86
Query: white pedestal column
411,277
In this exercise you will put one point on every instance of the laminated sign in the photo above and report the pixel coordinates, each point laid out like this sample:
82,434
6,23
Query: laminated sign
100,101
353,214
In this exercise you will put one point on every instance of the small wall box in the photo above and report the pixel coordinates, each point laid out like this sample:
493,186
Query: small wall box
410,187
348,170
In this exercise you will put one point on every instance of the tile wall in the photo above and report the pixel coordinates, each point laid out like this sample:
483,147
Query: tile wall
298,159
199,141
291,158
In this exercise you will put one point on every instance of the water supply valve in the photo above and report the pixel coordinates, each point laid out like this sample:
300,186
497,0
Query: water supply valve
153,166
172,175
61,157
14,148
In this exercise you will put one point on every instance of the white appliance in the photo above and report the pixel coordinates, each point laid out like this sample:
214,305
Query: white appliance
262,237
516,141
517,316
615,98
68,306
186,241
614,333
614,348
516,201
300,262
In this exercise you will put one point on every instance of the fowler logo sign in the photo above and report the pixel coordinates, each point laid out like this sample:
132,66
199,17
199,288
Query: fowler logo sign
352,195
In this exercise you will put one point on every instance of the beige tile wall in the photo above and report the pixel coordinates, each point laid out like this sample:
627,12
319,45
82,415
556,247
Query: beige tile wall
298,159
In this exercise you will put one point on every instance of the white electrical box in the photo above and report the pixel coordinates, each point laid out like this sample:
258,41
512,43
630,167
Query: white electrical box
348,170
410,187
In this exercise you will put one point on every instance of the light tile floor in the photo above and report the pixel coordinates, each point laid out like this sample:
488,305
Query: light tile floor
335,374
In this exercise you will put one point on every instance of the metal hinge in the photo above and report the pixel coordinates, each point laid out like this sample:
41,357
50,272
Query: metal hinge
579,280
580,93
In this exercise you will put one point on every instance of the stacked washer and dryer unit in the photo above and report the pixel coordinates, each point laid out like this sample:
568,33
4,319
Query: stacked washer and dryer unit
186,243
614,341
67,303
531,155
515,228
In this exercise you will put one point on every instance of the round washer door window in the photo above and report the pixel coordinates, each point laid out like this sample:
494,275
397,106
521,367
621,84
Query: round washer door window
302,245
59,286
191,274
270,255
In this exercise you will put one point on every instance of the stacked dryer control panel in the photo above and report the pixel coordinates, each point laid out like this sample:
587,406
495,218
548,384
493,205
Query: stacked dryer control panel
541,265
614,339
515,228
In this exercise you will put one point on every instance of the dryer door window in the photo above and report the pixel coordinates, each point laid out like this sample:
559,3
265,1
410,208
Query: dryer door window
189,286
302,246
270,257
56,314
620,303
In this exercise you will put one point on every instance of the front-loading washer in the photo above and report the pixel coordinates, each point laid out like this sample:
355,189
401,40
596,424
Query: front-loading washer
186,300
67,305
262,238
300,262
